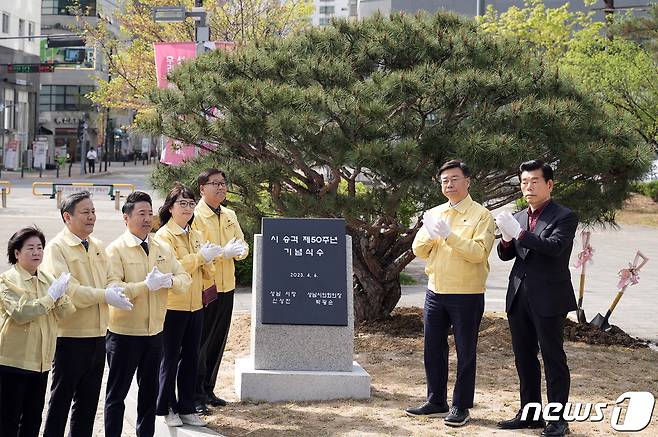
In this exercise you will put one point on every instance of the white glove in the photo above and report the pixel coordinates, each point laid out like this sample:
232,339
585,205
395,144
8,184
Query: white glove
114,296
508,225
499,222
243,248
233,248
443,229
58,287
156,280
429,223
210,251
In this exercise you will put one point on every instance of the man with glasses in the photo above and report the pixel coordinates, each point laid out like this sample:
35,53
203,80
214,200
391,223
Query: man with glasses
218,225
455,240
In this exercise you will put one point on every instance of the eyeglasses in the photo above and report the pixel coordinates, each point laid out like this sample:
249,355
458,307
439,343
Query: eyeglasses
216,184
452,180
186,203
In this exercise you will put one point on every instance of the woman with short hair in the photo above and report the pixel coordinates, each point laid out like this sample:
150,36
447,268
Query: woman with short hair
31,303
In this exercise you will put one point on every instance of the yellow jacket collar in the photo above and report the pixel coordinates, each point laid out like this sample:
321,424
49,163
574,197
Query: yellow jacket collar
70,238
462,206
174,228
27,276
205,210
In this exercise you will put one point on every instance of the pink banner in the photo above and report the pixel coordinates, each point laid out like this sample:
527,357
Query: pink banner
167,57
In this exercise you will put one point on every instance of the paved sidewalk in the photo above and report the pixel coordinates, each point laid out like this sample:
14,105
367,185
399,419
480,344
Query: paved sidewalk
636,313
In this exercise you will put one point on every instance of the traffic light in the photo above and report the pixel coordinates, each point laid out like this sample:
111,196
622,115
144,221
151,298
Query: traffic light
65,41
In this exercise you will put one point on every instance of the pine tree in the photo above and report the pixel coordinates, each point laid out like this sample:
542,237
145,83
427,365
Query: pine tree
353,121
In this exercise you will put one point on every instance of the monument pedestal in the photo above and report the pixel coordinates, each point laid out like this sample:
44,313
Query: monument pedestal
299,385
299,362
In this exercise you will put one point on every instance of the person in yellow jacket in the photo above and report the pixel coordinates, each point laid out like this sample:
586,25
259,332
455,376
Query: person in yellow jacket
218,225
148,271
456,239
31,303
79,362
184,318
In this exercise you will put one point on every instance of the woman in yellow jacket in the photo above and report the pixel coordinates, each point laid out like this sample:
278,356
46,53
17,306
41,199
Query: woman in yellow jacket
31,302
184,319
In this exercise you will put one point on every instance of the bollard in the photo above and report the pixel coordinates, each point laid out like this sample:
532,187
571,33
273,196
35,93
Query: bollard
117,200
57,171
59,199
40,171
70,165
22,171
4,197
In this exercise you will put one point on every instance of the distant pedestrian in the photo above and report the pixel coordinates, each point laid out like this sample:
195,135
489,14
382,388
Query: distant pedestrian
91,160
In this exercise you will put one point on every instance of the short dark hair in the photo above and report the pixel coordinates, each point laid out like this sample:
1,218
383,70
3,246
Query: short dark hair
536,164
17,241
204,176
455,163
68,205
179,190
132,199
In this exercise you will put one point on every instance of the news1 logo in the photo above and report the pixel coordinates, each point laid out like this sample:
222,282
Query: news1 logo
637,415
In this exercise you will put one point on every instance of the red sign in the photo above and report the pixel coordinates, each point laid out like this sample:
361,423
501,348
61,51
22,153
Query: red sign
167,57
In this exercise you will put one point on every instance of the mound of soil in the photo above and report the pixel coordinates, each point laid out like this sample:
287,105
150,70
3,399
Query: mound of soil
590,334
408,323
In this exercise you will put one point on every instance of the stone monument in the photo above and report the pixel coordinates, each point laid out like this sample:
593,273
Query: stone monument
302,318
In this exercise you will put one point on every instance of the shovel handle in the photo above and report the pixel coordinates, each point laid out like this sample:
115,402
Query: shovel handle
581,291
614,303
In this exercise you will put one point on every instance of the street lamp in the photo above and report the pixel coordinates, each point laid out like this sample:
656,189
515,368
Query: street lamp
178,14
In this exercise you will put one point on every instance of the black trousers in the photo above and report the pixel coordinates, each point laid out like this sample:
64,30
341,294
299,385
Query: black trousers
463,312
531,333
216,323
22,397
125,355
76,376
181,340
92,165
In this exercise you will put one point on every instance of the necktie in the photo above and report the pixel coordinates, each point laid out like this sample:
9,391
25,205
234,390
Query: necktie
85,243
145,246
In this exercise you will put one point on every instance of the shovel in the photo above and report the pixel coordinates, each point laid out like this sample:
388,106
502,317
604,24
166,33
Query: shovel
583,257
628,276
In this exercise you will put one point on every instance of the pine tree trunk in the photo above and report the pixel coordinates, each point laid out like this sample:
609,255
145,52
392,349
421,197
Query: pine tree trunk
374,296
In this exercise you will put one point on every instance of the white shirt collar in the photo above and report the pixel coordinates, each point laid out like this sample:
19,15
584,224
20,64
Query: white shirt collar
139,240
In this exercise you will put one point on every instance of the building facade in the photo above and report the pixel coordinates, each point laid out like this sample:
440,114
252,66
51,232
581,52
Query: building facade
19,91
64,107
469,7
325,10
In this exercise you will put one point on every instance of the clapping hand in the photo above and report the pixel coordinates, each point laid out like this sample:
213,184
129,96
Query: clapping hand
58,287
156,280
114,296
210,251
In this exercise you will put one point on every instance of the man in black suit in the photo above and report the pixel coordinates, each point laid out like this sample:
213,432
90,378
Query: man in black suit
539,239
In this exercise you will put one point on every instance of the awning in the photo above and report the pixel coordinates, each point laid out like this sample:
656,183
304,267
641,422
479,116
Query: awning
44,131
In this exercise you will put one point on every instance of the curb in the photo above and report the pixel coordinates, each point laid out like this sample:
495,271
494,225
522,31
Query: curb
161,429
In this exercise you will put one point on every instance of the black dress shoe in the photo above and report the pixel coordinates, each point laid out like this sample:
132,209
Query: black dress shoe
457,417
428,409
201,408
517,423
215,401
556,429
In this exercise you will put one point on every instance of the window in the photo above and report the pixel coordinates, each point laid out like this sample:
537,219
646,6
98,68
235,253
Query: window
64,98
5,22
327,10
324,21
21,27
66,7
30,29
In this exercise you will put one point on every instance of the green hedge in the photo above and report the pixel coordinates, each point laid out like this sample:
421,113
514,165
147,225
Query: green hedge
649,189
